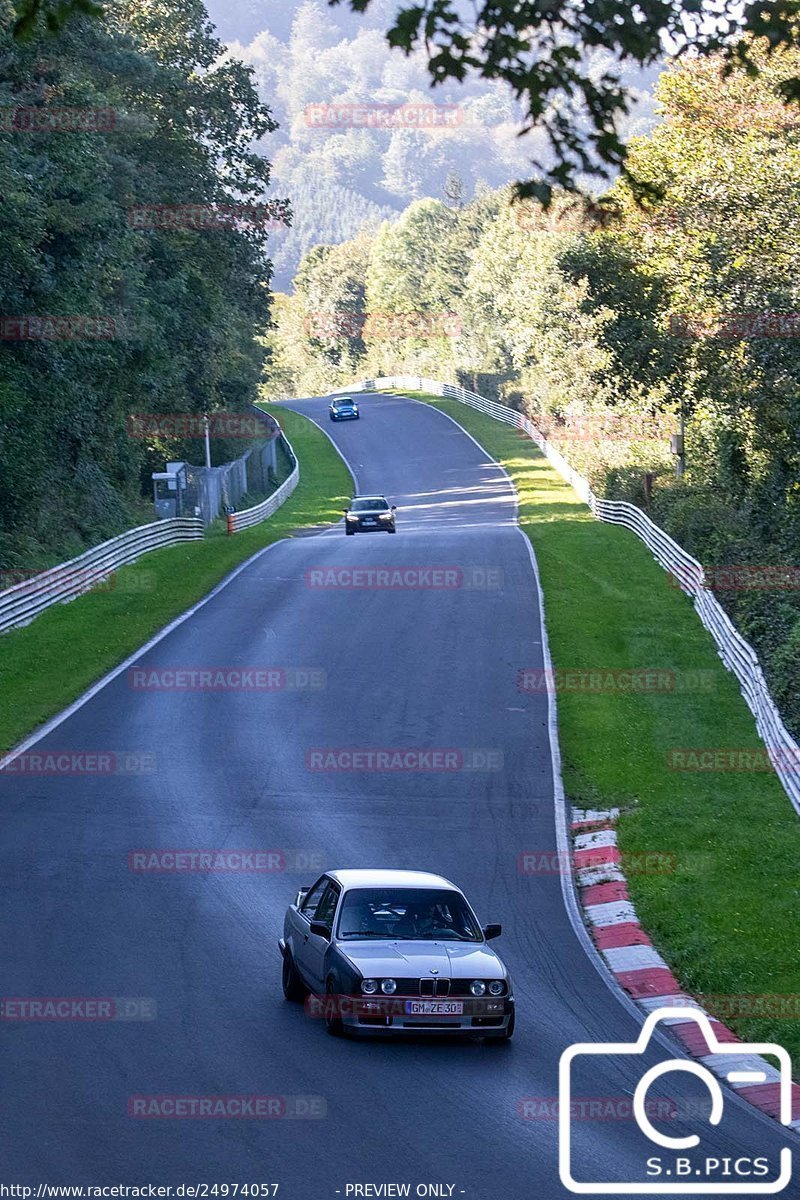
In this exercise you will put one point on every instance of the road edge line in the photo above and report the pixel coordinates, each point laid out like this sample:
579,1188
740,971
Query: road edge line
674,1045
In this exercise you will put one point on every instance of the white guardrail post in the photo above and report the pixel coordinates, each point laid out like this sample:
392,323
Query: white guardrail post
737,654
23,601
259,512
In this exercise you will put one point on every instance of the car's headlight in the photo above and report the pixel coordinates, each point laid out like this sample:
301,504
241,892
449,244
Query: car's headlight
351,517
386,516
389,986
369,986
477,987
496,987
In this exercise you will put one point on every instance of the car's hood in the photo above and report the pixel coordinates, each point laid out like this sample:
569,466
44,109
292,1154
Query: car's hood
450,960
371,512
342,407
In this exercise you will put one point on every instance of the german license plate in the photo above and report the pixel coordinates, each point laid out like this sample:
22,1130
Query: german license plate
369,521
434,1008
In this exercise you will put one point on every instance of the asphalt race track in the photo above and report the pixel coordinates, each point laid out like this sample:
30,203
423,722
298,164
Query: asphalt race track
423,668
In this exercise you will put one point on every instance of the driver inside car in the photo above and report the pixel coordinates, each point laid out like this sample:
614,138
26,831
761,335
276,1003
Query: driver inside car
426,921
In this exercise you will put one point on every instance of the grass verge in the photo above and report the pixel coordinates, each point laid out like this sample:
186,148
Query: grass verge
725,917
50,662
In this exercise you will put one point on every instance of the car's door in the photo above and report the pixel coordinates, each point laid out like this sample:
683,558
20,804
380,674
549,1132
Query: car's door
316,945
301,920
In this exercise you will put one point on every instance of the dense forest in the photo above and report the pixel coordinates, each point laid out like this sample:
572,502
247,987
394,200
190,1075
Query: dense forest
607,326
139,109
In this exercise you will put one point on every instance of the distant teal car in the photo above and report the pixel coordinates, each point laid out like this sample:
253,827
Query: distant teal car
343,408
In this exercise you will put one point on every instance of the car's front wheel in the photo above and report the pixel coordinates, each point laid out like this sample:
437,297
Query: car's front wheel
349,532
293,987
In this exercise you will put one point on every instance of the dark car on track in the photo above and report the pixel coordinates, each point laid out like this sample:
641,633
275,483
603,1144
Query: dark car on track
343,408
370,514
401,952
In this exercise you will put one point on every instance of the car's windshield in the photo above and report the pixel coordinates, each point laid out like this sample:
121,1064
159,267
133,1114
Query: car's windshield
342,403
369,504
407,914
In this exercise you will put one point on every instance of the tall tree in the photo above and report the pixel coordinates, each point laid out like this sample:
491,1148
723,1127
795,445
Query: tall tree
184,304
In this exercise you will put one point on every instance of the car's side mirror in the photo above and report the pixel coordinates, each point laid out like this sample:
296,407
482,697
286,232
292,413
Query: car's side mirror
345,511
298,900
492,931
321,930
394,508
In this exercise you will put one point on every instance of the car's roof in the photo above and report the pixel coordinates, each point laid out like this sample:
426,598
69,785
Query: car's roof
342,399
384,878
369,497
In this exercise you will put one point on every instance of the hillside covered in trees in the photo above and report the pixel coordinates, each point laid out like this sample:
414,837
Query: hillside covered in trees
607,328
164,319
341,177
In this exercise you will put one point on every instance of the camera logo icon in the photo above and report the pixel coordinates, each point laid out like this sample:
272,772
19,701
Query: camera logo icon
686,1176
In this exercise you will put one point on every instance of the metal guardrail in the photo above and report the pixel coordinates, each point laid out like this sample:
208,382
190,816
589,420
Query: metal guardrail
23,601
260,512
737,654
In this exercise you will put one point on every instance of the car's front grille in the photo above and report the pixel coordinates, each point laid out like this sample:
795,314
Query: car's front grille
434,987
408,987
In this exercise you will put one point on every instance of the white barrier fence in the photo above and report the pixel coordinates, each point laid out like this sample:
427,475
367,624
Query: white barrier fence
737,654
23,601
259,512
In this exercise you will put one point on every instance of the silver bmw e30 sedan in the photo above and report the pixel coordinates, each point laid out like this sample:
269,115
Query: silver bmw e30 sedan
394,952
